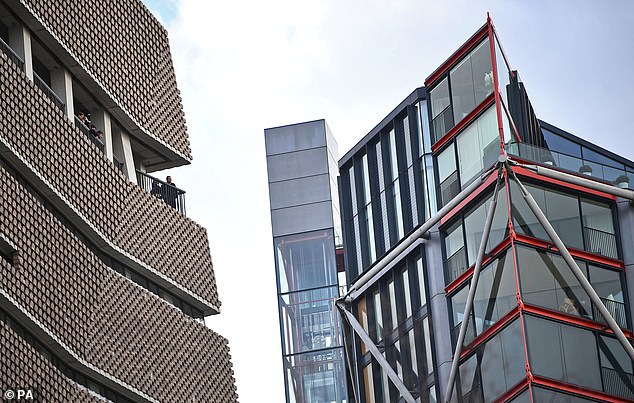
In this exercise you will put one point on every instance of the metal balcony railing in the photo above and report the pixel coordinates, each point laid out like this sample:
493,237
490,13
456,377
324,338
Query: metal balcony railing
456,264
600,242
6,49
39,83
170,194
618,177
82,127
618,383
616,309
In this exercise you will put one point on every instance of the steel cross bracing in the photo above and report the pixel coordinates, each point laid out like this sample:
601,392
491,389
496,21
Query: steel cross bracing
532,204
385,263
472,287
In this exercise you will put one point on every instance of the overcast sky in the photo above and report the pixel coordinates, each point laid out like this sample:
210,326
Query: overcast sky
243,66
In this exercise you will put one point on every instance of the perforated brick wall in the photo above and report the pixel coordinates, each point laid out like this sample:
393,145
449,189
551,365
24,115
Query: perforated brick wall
21,366
102,316
127,51
133,219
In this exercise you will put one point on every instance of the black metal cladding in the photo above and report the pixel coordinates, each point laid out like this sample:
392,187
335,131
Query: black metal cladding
375,193
345,200
522,112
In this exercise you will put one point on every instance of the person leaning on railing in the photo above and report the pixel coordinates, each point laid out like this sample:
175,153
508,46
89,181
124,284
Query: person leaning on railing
170,192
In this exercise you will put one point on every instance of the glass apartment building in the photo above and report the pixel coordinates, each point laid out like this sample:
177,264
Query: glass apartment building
463,154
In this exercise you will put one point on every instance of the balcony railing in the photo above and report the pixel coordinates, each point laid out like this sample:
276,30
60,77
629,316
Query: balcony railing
600,242
449,188
616,176
442,123
618,383
456,264
616,309
170,194
82,127
39,83
6,49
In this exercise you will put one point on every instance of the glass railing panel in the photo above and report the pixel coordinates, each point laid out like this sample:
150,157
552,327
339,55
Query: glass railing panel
616,176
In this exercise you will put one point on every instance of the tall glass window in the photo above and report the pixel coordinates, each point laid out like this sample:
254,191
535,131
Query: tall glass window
560,358
562,210
378,316
396,191
495,296
442,116
547,281
368,210
598,228
478,146
471,81
496,367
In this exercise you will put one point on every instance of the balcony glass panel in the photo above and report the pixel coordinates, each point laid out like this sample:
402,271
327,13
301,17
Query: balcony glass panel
305,261
617,176
471,81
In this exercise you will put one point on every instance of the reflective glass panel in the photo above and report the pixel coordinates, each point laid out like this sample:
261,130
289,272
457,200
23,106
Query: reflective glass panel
478,146
305,261
316,377
471,81
559,359
310,320
439,98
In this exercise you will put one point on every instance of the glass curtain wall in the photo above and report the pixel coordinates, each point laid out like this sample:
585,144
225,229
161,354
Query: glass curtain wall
311,337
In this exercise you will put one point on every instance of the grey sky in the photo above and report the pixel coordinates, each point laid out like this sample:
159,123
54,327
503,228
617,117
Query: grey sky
246,65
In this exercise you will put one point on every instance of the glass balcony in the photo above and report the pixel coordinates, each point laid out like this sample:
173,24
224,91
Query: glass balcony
616,176
167,192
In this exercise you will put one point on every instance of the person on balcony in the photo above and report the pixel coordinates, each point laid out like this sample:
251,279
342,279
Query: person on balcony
170,192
